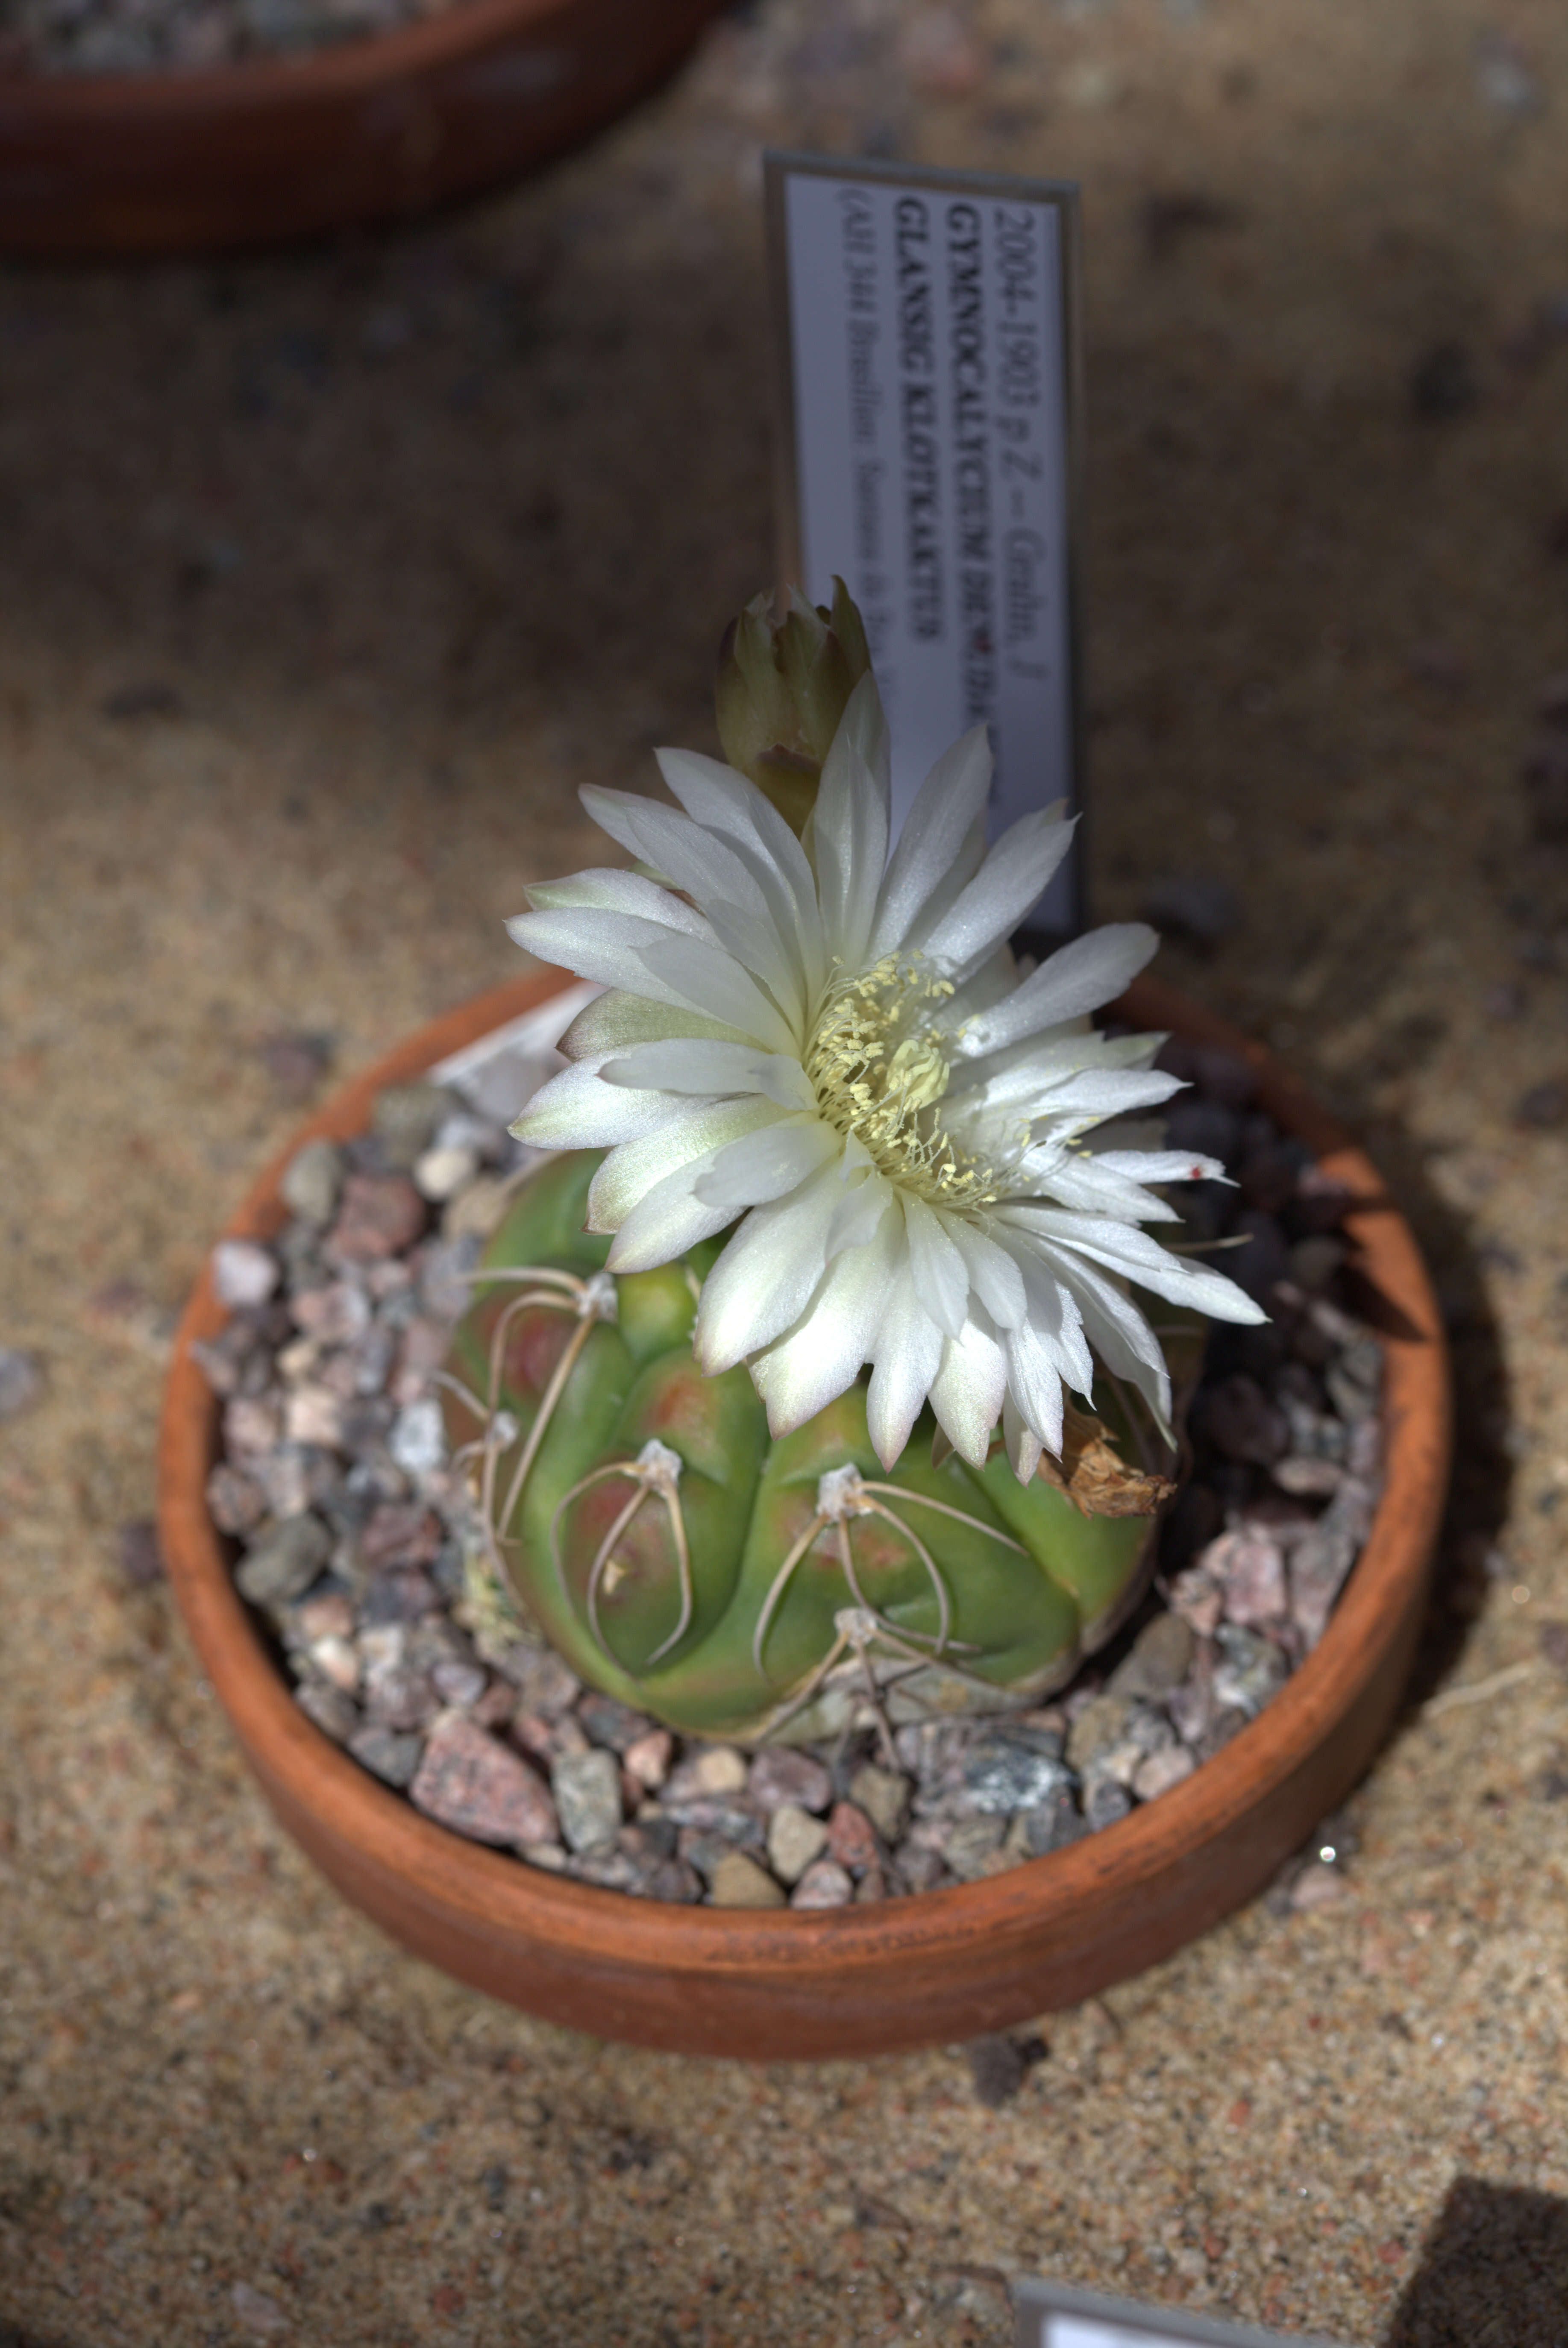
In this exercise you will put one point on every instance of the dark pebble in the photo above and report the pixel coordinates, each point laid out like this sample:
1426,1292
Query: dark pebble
335,1713
397,1598
1105,1802
140,1559
391,1755
1239,1420
297,1061
285,1562
612,1724
400,1533
1552,1637
1543,1106
997,2067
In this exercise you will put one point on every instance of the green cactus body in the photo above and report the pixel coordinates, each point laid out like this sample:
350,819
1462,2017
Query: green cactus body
679,1558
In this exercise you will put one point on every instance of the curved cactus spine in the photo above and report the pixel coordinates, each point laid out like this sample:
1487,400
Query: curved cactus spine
656,1468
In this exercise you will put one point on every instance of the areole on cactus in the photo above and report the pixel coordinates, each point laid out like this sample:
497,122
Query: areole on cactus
766,1385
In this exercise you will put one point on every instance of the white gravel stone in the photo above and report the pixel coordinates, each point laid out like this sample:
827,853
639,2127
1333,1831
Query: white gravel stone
244,1273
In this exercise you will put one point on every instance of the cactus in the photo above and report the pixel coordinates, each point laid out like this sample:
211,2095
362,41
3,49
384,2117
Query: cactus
730,1585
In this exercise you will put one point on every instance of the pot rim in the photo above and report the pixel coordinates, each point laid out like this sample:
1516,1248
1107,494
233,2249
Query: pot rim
358,66
502,1894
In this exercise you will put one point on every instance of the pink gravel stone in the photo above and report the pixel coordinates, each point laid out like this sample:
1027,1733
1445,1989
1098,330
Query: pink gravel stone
851,1837
468,1781
825,1884
779,1773
1252,1571
381,1214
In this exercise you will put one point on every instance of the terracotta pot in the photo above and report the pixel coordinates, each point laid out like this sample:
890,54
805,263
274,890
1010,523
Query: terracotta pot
858,1981
367,130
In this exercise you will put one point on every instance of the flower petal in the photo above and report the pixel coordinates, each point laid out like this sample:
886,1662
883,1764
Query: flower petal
766,1164
610,890
812,1364
906,1357
679,1067
765,1279
714,982
616,1022
692,1132
665,1221
708,869
850,823
1080,977
941,1275
577,1111
728,803
1012,877
968,1390
948,802
1139,1258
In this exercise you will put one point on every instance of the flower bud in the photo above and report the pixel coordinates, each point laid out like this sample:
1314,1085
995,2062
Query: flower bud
781,689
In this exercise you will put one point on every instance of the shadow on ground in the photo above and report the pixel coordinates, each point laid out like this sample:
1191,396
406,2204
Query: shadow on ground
1494,2275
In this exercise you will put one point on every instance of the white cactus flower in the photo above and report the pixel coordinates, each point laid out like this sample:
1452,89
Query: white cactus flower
831,1050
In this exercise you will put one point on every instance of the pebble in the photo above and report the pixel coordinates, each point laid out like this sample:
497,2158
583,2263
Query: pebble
140,1558
389,1756
417,1441
825,1884
884,1795
1009,1769
313,1181
1250,1671
737,1881
647,1758
335,1713
1158,1772
1048,1828
441,1172
780,1773
1544,1106
244,1272
795,1838
852,1838
970,1845
1104,1801
1239,1419
285,1561
404,1119
380,1214
587,1790
1099,1727
1318,1885
998,2067
469,1781
1161,1658
1250,1568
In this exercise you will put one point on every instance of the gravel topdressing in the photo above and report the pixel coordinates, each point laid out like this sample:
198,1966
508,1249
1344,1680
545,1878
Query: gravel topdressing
351,1528
137,36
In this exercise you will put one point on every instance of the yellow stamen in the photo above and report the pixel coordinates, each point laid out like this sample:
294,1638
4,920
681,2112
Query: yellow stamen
877,1071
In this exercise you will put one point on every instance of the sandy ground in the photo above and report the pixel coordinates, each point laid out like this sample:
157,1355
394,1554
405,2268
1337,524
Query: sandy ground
326,580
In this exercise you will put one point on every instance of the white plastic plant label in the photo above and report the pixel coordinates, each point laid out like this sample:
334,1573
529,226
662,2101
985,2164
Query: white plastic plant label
1049,2315
927,455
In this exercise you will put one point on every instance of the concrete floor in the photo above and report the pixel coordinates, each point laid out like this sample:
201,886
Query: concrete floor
326,580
